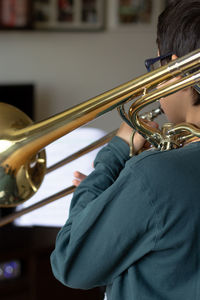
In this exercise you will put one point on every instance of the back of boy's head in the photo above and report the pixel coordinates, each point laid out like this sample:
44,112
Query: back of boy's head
178,29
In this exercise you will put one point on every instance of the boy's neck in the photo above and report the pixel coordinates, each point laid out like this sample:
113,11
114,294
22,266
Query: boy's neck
193,115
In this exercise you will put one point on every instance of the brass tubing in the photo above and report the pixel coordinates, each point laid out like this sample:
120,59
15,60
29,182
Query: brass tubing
102,141
10,218
185,127
162,92
22,166
37,136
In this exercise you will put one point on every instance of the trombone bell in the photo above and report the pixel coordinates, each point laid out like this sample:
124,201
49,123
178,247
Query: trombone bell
23,163
19,178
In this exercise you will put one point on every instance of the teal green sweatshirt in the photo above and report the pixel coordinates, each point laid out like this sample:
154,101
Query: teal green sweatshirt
134,226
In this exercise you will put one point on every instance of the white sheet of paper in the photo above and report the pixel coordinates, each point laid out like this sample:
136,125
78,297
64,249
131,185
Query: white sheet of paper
56,213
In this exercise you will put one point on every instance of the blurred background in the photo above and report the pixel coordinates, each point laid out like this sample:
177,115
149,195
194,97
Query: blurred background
55,54
69,66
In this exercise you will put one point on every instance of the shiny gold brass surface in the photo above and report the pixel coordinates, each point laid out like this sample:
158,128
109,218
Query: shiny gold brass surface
102,141
22,168
10,218
20,174
173,137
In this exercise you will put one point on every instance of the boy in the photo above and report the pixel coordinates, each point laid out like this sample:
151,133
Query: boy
134,224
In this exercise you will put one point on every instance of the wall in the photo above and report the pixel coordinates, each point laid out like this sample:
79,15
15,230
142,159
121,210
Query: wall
68,68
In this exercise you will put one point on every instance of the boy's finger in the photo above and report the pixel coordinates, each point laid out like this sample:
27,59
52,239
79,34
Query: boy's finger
76,182
79,175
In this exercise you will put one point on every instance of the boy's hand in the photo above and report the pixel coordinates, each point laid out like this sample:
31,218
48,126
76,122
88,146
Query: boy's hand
125,132
78,178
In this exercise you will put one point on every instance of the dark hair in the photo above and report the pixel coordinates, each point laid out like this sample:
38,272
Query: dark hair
178,29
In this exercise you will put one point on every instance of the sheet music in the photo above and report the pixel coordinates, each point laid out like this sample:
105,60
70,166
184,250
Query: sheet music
56,213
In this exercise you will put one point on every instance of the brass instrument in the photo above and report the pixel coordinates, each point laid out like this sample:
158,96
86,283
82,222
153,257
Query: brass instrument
22,158
102,141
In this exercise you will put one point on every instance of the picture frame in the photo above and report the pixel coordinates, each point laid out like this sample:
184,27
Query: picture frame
15,14
63,15
134,15
132,12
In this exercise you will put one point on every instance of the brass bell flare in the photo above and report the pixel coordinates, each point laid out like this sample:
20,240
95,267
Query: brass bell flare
22,158
21,172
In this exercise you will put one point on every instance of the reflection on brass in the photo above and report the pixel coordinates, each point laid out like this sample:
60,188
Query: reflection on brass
10,218
173,136
22,158
102,141
21,173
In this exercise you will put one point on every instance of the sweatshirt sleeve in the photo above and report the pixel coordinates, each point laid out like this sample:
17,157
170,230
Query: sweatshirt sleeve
108,164
111,223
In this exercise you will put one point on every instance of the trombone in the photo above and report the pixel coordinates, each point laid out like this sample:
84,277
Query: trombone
22,154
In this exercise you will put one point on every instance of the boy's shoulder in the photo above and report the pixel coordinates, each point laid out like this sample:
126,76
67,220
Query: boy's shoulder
155,161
